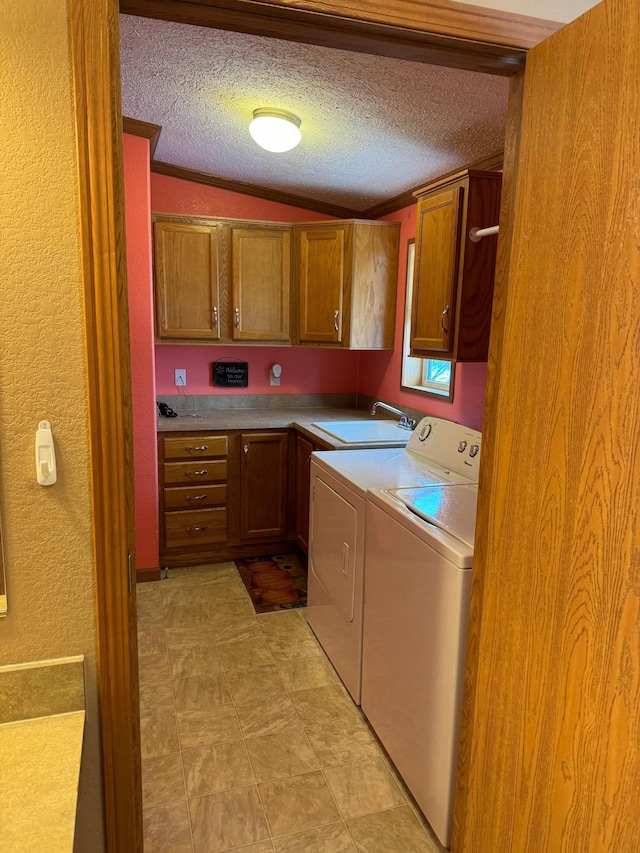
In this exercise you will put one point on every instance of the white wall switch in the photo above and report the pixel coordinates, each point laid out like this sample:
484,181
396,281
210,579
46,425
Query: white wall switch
181,377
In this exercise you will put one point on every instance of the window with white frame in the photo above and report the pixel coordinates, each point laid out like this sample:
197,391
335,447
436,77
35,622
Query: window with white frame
429,375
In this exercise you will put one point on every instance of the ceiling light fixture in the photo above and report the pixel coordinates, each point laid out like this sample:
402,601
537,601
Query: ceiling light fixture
275,130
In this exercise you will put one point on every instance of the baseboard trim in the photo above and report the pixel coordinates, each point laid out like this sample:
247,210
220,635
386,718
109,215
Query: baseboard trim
145,575
234,552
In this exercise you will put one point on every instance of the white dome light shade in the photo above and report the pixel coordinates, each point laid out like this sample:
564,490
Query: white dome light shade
275,130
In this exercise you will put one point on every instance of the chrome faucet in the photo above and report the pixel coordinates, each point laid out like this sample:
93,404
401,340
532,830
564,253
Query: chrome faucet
405,421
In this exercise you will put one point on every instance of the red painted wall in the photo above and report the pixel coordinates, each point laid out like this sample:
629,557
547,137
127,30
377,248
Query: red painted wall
304,370
173,195
380,371
140,294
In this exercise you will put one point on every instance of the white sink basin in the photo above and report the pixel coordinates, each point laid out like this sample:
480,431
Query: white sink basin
370,432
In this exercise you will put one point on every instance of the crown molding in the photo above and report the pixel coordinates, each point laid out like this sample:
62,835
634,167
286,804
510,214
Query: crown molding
438,32
267,193
492,163
143,128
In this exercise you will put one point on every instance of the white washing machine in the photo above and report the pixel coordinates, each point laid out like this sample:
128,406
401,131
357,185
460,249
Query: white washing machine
418,555
438,451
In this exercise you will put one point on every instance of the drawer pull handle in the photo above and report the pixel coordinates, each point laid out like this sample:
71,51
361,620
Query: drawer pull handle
200,449
197,473
197,497
197,529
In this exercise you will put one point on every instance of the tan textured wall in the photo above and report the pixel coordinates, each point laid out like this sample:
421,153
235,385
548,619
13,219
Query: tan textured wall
47,530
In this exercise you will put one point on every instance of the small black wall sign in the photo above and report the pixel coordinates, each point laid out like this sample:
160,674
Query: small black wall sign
230,374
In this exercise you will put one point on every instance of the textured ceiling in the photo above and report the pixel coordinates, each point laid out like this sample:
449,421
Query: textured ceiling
372,127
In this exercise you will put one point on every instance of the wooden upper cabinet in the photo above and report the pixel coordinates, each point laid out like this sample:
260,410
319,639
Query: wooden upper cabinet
435,288
186,281
227,281
260,283
347,281
321,269
453,279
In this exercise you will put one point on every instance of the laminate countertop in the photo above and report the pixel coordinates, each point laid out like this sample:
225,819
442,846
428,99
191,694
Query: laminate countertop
285,418
39,771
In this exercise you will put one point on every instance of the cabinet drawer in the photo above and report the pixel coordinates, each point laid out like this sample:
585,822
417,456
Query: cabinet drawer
194,497
198,471
195,528
193,447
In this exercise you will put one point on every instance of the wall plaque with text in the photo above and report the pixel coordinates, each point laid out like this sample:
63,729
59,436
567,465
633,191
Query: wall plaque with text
230,374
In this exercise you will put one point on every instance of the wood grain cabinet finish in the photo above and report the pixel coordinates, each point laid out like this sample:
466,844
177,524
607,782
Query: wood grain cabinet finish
221,281
346,283
225,495
453,279
193,483
186,275
260,283
304,449
263,484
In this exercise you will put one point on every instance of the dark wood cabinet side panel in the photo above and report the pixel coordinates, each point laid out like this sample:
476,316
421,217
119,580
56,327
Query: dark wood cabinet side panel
233,489
373,286
304,449
477,271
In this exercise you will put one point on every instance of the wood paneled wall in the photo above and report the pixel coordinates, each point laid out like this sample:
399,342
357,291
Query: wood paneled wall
550,757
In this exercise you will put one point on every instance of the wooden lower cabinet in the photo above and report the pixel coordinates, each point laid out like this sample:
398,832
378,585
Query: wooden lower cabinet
263,484
225,495
304,449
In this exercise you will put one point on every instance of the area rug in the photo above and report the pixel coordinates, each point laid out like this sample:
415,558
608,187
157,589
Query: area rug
275,583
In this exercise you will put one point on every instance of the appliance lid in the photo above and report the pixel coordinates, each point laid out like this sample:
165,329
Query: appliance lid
450,507
365,431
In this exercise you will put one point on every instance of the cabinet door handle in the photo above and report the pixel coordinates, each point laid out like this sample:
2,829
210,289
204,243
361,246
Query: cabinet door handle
197,497
197,473
245,450
197,529
336,314
200,449
236,311
445,329
215,316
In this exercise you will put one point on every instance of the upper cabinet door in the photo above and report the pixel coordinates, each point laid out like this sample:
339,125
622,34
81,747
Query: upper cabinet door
553,675
261,283
434,291
186,281
322,276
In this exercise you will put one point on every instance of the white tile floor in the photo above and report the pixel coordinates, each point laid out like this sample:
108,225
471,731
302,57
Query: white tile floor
249,740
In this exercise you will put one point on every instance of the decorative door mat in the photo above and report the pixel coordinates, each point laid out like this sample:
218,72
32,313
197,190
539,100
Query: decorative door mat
275,583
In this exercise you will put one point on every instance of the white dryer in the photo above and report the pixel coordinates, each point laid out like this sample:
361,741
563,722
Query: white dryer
438,451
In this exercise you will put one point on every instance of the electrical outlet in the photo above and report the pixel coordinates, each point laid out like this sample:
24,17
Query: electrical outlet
181,378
